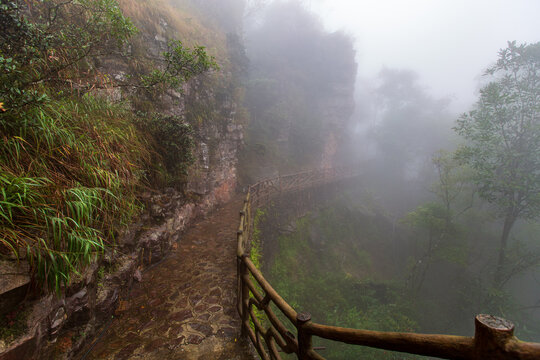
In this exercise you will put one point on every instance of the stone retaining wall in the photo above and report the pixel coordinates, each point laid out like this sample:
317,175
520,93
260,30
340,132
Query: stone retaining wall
59,327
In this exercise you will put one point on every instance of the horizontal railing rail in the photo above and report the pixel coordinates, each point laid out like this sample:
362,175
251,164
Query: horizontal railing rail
494,337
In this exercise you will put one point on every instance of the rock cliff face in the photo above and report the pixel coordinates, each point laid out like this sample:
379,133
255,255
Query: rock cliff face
210,103
218,139
300,93
336,109
57,327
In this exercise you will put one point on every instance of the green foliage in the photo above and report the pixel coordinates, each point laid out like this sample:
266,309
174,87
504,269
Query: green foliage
57,44
53,42
455,194
65,185
454,187
172,135
173,142
312,272
256,245
430,216
180,65
256,256
438,239
503,139
382,317
503,133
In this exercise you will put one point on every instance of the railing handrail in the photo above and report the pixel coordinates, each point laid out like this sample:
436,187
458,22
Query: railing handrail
493,337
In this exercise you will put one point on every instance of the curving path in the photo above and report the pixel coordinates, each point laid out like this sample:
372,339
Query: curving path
184,308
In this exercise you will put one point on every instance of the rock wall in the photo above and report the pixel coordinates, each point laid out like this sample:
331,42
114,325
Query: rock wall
337,109
218,139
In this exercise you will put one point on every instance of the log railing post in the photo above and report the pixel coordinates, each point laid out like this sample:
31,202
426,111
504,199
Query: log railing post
247,222
239,303
491,336
304,338
244,274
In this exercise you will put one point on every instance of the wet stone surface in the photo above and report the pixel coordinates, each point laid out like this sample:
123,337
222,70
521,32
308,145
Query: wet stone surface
184,308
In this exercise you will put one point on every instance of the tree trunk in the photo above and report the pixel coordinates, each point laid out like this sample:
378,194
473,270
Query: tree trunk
427,263
509,221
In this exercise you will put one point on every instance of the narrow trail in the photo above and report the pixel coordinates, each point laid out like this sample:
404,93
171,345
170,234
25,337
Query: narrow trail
184,308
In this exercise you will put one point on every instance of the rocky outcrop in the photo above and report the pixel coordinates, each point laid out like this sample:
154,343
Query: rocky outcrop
336,109
14,282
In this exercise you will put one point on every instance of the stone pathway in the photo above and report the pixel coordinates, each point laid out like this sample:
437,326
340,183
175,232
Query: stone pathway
185,307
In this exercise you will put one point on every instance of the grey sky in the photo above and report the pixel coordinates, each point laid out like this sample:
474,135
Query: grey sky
448,42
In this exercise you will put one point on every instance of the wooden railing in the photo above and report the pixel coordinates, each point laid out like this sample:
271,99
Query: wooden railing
493,338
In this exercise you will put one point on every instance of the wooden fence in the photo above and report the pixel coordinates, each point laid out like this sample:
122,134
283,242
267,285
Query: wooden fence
493,338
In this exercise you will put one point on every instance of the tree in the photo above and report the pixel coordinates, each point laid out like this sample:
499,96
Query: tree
503,140
410,123
432,219
454,197
453,188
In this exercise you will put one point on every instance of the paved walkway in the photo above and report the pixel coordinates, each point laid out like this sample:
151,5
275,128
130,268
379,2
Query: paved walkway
185,307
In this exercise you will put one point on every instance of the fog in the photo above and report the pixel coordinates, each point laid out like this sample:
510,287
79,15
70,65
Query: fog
430,234
399,140
449,43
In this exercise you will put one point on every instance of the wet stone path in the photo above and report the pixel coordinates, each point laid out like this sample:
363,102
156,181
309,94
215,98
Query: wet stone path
185,307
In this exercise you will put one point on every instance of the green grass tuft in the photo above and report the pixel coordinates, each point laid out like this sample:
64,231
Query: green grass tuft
70,171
